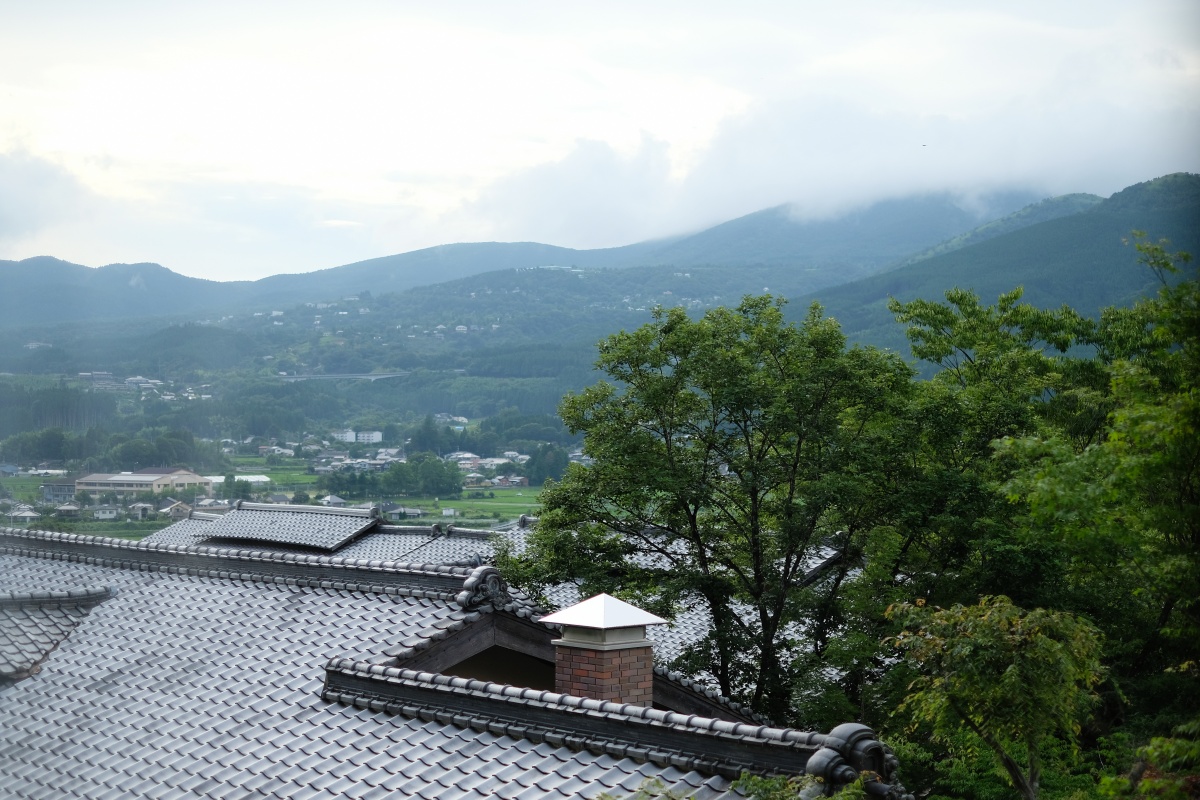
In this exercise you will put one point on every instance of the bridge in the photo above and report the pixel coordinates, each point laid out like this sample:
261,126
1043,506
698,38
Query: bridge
348,376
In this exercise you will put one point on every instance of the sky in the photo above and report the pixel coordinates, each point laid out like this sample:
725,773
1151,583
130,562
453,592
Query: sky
231,140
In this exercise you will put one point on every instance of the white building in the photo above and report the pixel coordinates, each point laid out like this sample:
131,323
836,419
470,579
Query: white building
369,437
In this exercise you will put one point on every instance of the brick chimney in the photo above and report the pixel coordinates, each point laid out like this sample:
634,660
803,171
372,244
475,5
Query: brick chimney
604,652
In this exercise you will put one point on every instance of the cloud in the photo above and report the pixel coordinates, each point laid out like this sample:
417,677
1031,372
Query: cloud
827,154
595,196
285,145
36,193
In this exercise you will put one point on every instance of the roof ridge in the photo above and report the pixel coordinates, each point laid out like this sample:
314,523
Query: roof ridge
366,513
468,587
77,597
472,686
689,742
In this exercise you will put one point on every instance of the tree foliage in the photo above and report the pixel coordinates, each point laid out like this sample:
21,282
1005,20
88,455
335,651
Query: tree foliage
1135,493
733,457
1012,677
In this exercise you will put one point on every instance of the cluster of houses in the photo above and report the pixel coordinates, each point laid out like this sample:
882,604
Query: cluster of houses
470,464
61,492
330,461
146,387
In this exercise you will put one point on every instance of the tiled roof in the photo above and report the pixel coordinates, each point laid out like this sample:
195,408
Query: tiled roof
457,546
307,526
202,676
429,544
33,623
617,729
203,685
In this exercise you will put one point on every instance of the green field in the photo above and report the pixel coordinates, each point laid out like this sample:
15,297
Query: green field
506,506
22,490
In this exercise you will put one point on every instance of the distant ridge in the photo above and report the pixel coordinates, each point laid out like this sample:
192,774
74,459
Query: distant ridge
48,290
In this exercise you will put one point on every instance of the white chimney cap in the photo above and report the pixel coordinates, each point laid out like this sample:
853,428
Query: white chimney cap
603,611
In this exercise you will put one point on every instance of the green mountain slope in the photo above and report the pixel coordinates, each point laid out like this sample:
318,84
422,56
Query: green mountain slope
1081,260
1051,208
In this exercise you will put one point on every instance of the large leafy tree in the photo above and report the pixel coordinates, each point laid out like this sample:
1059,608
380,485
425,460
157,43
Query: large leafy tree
738,463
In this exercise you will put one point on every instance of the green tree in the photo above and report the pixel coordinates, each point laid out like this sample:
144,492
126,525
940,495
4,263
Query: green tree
738,465
426,438
435,477
301,498
1130,502
1009,676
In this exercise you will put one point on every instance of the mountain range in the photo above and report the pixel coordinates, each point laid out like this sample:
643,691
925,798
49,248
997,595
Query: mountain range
46,290
544,307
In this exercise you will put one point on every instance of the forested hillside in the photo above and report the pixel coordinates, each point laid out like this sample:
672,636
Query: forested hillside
1082,260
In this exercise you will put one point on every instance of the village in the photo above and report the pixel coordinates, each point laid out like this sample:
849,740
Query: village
280,472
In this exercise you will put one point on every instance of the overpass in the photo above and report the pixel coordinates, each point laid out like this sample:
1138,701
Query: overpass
348,376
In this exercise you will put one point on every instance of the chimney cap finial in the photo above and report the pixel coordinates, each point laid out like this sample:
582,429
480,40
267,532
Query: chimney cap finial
604,612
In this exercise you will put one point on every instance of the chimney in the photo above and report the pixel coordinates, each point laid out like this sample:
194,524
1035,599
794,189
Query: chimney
604,652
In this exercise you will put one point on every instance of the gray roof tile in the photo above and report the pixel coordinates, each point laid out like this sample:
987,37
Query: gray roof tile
304,526
197,683
34,623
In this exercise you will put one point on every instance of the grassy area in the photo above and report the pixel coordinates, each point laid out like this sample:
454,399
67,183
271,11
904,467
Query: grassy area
506,505
288,476
23,490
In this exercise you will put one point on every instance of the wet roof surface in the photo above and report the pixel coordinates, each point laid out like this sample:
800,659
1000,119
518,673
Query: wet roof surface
203,685
322,528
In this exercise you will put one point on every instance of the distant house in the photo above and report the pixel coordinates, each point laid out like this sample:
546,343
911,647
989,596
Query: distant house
333,501
8,470
175,509
510,480
397,512
106,512
257,481
141,511
279,499
67,510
